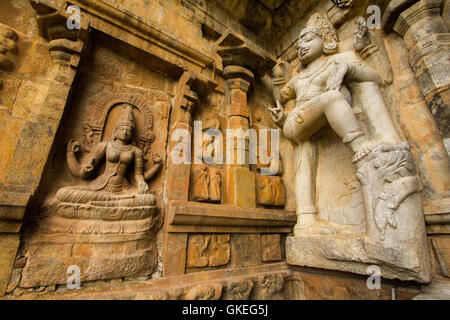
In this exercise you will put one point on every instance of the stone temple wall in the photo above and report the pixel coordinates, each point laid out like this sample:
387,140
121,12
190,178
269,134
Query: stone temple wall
100,171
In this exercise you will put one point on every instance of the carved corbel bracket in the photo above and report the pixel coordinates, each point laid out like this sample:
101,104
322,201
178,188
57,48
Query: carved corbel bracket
239,51
66,43
190,87
12,210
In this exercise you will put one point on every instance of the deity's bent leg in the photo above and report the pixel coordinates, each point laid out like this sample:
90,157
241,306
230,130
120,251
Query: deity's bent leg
303,122
305,183
342,119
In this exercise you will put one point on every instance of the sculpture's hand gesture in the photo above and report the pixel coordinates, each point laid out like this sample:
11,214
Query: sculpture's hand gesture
73,146
142,187
337,77
276,112
361,39
156,158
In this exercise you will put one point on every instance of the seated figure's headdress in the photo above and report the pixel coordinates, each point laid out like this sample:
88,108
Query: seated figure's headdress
126,117
322,27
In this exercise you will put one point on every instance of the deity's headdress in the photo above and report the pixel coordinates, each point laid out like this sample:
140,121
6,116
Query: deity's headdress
322,27
126,117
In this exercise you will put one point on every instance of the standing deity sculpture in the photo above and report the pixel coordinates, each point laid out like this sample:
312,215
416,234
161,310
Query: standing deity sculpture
320,94
201,184
324,90
214,186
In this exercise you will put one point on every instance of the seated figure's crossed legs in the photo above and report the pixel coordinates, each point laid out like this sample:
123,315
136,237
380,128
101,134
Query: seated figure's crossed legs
80,195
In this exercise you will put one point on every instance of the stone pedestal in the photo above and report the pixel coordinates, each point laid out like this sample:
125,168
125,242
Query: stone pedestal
356,254
98,256
394,239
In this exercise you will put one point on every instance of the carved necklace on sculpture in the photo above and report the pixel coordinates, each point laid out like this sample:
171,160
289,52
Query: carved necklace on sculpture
310,73
117,145
314,73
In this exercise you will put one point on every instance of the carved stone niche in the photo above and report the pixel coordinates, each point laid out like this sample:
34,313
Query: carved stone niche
206,184
106,225
356,187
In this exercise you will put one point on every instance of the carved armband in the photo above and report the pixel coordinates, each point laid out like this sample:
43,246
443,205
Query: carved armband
286,94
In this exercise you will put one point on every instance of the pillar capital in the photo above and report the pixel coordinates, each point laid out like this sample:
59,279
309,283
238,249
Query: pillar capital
428,41
237,51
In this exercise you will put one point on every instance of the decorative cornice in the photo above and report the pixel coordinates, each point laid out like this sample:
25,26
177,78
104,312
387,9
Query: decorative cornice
201,217
145,30
92,10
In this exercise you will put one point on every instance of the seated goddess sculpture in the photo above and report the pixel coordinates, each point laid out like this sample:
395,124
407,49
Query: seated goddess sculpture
110,189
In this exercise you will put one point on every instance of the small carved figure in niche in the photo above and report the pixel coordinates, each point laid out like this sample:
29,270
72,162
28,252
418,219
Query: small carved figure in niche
214,186
210,127
112,187
201,184
208,146
270,190
197,255
208,250
239,290
8,40
162,109
266,192
318,89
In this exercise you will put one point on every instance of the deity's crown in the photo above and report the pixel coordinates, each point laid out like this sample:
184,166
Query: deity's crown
322,27
126,117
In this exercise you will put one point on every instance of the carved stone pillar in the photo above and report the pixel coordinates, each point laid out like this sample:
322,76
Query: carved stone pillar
31,147
174,254
190,86
427,38
424,33
241,181
11,204
242,61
